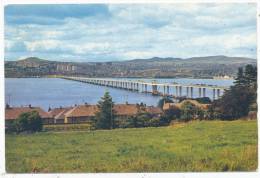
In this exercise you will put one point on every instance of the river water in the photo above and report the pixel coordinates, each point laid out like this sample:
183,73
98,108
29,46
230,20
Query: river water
54,92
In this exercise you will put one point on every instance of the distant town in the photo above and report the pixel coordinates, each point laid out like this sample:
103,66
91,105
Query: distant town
198,67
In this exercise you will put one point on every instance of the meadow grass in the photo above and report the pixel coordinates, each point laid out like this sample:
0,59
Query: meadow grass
196,146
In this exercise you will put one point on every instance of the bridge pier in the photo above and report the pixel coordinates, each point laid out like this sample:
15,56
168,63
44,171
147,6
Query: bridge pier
187,92
180,90
168,90
200,92
191,92
218,93
214,93
154,90
204,92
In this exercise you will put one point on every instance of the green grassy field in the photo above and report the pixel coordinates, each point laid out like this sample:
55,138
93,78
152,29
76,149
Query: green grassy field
196,146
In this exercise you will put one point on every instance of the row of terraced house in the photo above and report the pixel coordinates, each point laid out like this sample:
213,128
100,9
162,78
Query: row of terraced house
78,114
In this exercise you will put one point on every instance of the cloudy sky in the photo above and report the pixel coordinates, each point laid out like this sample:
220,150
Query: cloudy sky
109,32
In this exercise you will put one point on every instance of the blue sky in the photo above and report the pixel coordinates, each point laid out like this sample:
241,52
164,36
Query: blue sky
110,32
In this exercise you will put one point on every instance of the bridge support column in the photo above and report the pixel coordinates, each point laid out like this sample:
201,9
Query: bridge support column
187,92
176,88
154,88
200,92
191,92
145,88
214,93
218,93
168,90
204,92
180,90
163,90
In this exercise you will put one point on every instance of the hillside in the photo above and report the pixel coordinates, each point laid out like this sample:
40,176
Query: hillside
197,146
197,67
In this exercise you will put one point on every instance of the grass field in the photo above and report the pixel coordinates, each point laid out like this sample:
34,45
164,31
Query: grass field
196,146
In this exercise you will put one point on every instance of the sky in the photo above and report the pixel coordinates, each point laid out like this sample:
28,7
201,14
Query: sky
116,32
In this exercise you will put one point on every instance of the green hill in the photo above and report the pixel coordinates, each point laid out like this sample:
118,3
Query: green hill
196,67
196,146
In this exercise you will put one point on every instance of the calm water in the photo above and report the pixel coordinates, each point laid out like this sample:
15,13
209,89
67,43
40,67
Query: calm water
53,92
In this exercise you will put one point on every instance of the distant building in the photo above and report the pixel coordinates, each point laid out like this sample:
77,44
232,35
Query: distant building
80,114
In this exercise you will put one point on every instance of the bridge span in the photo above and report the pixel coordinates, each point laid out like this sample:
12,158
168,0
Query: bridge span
152,87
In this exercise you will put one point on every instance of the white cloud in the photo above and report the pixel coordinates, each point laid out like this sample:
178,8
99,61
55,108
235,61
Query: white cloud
141,31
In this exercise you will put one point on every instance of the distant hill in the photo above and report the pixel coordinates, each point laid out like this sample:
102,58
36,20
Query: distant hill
196,67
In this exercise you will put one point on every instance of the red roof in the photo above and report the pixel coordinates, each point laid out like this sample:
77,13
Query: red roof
153,110
58,112
82,111
126,109
14,112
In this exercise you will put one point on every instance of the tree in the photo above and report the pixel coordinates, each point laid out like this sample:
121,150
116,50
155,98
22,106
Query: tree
105,115
203,100
171,114
188,111
234,103
28,121
250,75
240,79
35,121
163,100
238,101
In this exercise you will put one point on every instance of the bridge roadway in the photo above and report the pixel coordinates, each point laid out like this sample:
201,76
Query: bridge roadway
142,86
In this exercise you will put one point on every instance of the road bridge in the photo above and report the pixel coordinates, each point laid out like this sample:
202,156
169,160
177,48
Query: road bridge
153,87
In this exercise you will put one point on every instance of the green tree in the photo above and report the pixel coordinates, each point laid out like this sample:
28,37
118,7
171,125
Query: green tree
35,122
239,99
163,100
105,115
171,114
240,79
234,103
28,121
250,75
188,111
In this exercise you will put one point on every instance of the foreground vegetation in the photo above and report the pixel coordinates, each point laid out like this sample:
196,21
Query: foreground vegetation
193,146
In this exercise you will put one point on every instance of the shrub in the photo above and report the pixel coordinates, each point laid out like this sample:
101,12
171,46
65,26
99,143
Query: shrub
189,111
28,121
203,100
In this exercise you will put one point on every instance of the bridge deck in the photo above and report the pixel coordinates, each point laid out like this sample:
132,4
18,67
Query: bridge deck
150,83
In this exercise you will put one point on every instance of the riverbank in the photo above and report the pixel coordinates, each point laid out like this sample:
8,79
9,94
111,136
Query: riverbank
196,146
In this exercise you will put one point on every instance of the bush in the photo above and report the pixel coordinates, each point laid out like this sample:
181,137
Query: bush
165,99
189,111
169,115
235,103
28,121
203,100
